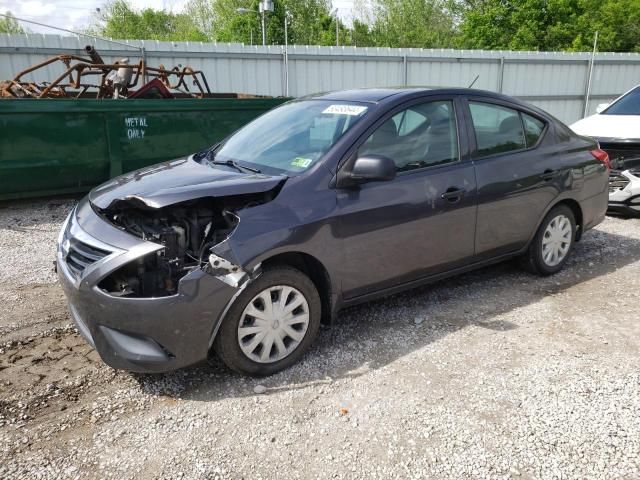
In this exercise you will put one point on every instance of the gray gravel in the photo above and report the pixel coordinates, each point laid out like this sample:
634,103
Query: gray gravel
495,374
28,233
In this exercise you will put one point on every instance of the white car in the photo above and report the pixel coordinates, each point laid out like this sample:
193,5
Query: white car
616,126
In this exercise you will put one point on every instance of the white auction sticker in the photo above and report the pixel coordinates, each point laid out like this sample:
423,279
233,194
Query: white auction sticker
345,109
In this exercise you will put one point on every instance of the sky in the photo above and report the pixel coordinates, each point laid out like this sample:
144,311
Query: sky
77,14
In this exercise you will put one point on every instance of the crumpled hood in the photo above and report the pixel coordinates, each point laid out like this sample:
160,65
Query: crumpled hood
178,181
609,126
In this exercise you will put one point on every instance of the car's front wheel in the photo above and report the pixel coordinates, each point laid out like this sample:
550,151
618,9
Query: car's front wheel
553,242
271,324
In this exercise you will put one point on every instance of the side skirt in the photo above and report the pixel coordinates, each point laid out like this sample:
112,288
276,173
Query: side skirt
427,280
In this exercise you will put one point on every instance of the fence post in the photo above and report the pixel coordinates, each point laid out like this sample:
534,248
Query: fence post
285,73
405,73
592,61
501,77
587,88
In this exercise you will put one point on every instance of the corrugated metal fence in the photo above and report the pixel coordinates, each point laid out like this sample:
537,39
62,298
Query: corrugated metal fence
556,82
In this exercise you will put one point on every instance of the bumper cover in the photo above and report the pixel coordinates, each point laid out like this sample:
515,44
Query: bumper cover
138,334
624,194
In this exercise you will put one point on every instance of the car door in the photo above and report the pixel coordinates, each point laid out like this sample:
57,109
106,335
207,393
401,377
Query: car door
423,221
515,174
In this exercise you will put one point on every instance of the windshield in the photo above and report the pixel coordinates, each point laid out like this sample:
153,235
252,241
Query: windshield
627,105
291,138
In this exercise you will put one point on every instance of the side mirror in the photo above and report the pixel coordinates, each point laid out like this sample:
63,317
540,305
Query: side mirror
372,168
602,107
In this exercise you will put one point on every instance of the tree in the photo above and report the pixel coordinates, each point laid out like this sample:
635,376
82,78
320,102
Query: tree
617,23
550,24
360,34
405,23
201,14
310,21
517,24
470,24
9,24
119,20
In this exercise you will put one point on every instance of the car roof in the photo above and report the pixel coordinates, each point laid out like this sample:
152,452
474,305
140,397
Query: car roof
397,95
365,94
376,95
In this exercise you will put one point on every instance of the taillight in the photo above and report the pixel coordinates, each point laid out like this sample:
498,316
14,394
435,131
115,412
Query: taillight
601,156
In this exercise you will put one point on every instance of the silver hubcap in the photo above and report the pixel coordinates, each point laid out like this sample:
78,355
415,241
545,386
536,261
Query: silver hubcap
556,240
273,324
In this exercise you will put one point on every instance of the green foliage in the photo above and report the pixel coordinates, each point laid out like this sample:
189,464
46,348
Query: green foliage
119,20
201,14
617,23
310,22
9,24
361,34
412,23
469,24
550,24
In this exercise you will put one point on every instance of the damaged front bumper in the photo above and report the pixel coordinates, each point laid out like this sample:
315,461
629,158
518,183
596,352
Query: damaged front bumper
138,334
624,192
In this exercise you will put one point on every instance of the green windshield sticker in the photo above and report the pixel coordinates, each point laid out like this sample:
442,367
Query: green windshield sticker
301,162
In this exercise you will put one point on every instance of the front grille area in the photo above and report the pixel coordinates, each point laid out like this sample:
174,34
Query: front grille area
617,181
622,155
81,255
78,254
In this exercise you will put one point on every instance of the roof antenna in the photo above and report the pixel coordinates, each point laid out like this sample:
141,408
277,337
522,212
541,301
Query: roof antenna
474,81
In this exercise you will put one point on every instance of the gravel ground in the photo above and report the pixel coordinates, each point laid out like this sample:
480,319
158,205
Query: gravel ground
28,233
493,374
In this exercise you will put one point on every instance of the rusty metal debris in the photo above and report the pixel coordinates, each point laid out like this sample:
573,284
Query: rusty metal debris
90,76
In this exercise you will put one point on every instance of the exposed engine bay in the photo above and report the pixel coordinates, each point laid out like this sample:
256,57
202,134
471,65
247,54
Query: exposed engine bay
187,231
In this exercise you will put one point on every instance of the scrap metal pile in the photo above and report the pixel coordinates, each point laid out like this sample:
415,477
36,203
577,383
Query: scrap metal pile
91,77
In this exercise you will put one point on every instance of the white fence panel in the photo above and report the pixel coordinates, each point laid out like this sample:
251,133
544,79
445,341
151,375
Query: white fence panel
556,82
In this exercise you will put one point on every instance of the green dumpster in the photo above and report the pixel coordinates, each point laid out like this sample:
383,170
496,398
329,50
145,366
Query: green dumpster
58,146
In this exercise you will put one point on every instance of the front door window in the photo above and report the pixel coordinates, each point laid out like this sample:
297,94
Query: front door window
423,135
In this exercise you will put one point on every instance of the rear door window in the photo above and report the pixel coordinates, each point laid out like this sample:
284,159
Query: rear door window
498,129
532,129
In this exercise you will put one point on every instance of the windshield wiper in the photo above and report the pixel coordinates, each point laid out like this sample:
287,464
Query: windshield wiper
209,153
234,164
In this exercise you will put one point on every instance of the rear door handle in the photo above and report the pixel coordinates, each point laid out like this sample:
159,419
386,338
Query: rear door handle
453,194
548,174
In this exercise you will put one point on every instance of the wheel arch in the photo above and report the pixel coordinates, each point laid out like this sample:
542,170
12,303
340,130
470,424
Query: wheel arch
316,271
577,214
572,204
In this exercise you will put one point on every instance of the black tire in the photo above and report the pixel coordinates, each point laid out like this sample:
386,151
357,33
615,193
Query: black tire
533,260
226,344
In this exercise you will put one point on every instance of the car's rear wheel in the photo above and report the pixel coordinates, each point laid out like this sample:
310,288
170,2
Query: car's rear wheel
271,324
553,242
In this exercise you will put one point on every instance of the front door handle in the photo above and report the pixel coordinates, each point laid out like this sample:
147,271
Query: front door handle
548,174
453,194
